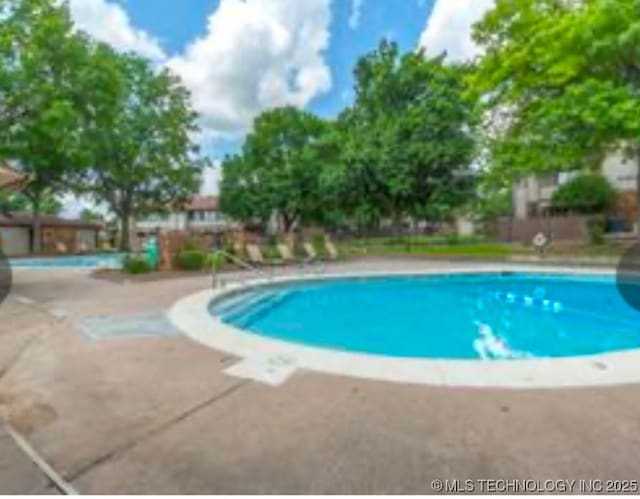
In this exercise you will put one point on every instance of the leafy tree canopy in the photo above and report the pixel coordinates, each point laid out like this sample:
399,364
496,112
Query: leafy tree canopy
43,95
140,139
278,169
406,142
16,202
560,80
89,215
587,193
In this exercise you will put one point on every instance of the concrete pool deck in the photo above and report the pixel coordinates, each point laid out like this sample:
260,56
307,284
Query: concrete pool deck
120,412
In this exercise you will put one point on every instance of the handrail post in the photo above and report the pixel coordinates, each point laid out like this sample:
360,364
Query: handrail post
215,281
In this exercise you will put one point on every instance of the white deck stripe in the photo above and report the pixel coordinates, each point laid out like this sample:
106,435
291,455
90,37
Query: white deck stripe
64,486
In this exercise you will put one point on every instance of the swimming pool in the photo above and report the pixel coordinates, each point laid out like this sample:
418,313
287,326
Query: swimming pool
99,260
489,316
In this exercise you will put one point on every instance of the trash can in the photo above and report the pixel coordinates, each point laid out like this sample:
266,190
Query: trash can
151,252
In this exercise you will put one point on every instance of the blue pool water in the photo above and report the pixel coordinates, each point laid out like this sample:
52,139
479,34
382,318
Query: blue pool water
104,260
471,316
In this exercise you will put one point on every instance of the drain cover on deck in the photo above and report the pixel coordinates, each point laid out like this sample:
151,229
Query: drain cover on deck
272,371
138,325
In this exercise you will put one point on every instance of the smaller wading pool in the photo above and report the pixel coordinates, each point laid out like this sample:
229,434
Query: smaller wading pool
100,260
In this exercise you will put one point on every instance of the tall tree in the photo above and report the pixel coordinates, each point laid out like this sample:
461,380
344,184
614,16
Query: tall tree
560,80
17,201
278,170
407,143
140,139
42,92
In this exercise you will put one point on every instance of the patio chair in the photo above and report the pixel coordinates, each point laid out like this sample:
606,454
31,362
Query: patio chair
312,254
332,251
61,248
286,253
255,256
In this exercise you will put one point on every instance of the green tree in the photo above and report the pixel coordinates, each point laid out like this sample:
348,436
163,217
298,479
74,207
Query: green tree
140,140
277,171
407,144
89,215
588,193
16,202
560,81
43,61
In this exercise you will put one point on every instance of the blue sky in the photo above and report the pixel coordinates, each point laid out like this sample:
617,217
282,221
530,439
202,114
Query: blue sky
241,57
175,24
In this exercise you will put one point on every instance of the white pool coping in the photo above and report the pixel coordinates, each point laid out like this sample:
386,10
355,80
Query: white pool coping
191,316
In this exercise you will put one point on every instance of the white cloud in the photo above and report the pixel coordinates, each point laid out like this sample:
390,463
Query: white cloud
356,11
109,23
449,28
211,177
256,54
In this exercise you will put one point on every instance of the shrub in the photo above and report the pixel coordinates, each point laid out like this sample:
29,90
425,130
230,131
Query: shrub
317,241
191,260
214,261
135,265
452,239
589,193
596,230
270,252
192,243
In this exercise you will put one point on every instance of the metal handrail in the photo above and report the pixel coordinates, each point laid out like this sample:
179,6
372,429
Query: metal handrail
216,282
239,261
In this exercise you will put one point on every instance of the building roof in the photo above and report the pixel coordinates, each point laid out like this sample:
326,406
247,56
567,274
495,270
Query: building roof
203,203
21,219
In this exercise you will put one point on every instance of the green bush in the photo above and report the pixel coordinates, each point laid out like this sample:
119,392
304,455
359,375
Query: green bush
588,193
192,243
191,260
452,239
317,241
270,252
214,261
135,265
596,230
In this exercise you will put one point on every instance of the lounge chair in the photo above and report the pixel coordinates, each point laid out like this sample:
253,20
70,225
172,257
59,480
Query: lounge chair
332,251
255,256
312,254
285,253
61,248
238,249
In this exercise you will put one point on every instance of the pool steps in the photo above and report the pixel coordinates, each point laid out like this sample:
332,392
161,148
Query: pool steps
244,308
258,309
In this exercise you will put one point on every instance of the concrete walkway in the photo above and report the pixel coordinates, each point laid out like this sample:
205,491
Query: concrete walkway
120,412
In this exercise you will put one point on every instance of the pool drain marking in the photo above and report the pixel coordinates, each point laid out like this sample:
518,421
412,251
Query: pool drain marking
142,325
58,313
272,371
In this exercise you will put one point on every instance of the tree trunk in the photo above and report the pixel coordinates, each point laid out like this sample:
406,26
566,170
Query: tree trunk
287,222
125,221
37,224
396,223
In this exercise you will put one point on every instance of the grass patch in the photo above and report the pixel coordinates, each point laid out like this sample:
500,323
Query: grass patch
389,248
